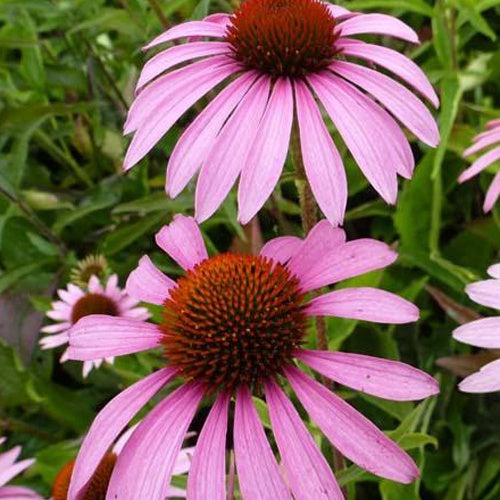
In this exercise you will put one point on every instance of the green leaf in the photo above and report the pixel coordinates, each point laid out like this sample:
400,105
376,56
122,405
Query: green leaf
418,6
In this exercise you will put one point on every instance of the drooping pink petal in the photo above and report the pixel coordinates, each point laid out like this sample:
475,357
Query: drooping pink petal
144,467
392,60
487,379
486,293
99,336
263,167
71,296
350,432
154,123
8,458
480,164
281,249
379,24
322,162
207,476
337,11
492,194
353,115
494,271
230,152
492,124
351,259
402,103
148,284
322,240
367,304
380,377
14,469
258,472
18,493
51,341
484,332
182,240
176,55
195,143
483,143
307,470
188,29
110,422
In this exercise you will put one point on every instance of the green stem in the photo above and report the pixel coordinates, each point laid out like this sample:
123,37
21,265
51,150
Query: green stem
159,13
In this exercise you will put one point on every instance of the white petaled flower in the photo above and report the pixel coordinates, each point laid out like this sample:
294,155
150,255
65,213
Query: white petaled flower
77,303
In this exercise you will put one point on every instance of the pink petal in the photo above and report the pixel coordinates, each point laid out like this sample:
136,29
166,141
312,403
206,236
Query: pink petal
308,472
18,493
154,123
263,167
351,259
281,249
258,472
182,240
492,194
183,460
108,424
486,293
380,24
337,11
207,476
367,304
480,164
230,152
350,432
322,240
494,271
493,123
395,97
99,336
483,332
352,114
392,60
8,458
195,143
483,143
57,327
70,297
322,162
147,283
190,28
379,377
487,379
176,55
144,467
15,469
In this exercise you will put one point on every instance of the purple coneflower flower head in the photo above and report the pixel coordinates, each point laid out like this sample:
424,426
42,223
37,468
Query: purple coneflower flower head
77,303
9,469
277,61
484,333
489,139
234,326
98,483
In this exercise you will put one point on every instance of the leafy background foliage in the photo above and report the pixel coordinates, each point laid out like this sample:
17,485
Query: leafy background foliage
67,73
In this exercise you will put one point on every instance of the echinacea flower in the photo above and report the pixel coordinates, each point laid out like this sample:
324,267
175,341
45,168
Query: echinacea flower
9,469
77,303
490,138
484,332
98,483
234,325
277,59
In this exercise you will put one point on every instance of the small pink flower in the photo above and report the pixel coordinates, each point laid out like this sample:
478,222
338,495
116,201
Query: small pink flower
234,325
9,469
276,62
490,137
76,303
98,483
483,332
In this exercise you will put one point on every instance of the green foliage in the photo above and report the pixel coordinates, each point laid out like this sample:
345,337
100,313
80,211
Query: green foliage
67,75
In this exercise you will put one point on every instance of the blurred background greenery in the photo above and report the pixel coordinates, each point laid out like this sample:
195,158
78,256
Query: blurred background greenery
68,69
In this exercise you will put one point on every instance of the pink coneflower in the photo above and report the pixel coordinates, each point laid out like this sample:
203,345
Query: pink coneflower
483,332
9,469
77,303
490,138
277,59
98,483
234,325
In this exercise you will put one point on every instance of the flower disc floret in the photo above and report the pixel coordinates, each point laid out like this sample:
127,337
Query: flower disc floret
234,320
283,37
93,303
